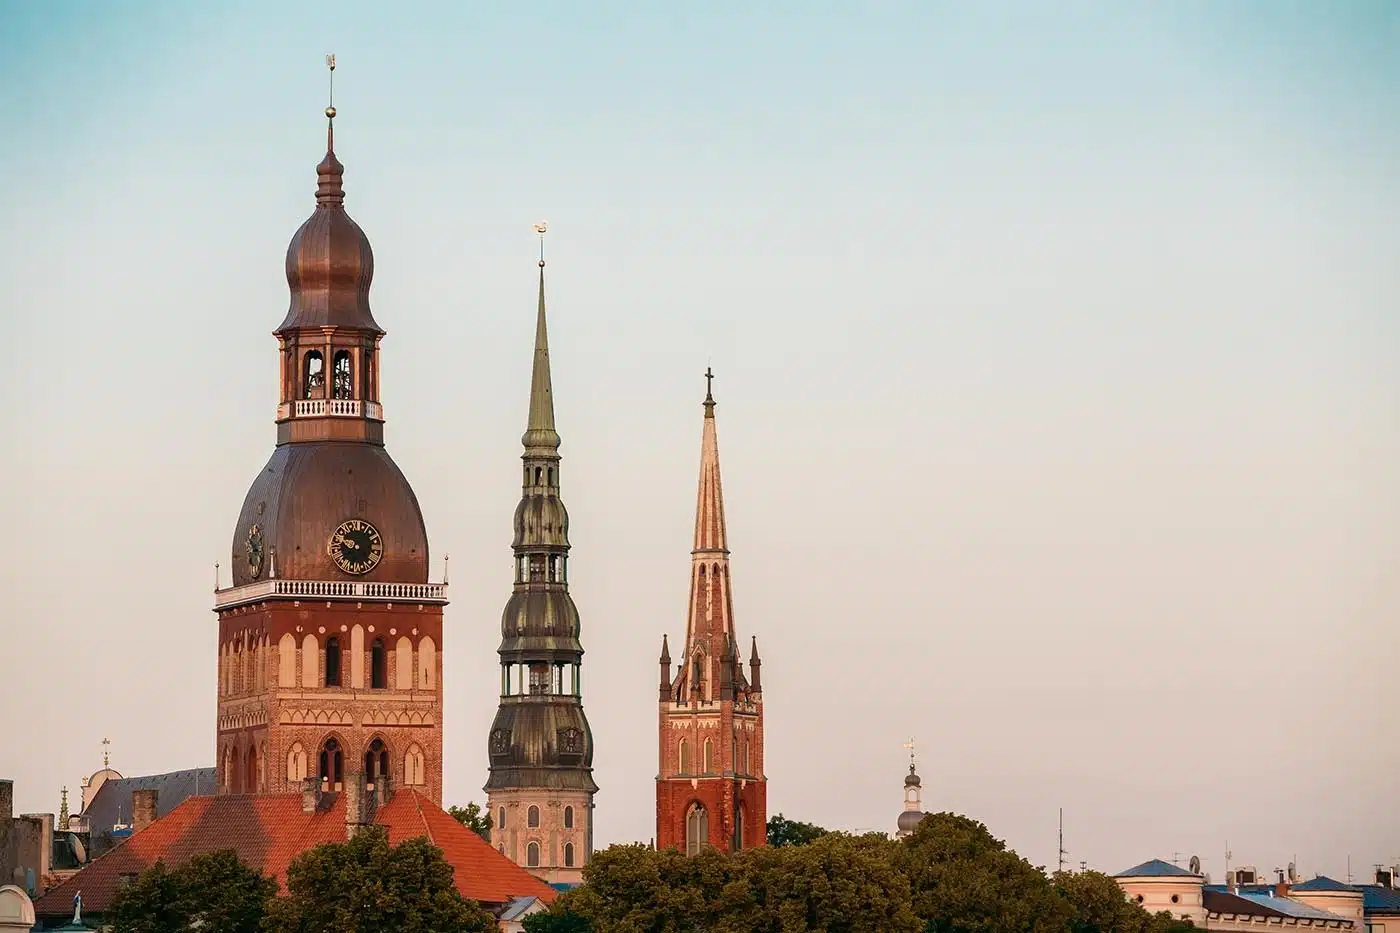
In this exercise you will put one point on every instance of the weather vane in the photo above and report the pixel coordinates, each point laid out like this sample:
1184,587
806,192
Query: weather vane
910,745
542,228
330,100
106,746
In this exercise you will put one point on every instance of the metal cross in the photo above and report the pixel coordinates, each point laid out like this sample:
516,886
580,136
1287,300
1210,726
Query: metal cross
709,381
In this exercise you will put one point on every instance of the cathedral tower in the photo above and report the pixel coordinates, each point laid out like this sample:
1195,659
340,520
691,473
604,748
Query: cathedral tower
330,636
710,789
540,789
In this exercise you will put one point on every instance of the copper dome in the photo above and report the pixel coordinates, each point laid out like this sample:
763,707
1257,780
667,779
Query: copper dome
329,261
304,494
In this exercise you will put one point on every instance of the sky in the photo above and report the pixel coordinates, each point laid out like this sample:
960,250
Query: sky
1055,351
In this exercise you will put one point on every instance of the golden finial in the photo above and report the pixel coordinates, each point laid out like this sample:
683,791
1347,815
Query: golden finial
910,745
106,747
542,228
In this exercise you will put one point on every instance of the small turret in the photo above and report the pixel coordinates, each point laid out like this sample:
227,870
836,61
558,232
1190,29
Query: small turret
755,682
665,669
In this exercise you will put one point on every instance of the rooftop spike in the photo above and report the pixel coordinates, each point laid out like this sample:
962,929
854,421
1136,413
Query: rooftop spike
329,190
540,438
710,532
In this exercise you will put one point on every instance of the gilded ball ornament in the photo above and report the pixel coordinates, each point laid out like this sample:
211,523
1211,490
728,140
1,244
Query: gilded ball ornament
330,113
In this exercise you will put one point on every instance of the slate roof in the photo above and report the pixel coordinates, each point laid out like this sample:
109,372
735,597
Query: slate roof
1262,905
1378,900
1156,868
269,830
112,804
516,908
1322,883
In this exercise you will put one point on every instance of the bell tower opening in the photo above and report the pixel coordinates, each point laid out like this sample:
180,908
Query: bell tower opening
313,375
342,384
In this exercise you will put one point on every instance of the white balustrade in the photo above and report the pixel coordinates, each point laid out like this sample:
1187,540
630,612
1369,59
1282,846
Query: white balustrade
329,589
334,408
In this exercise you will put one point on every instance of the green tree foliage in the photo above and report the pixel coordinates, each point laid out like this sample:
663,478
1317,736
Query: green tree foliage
215,891
834,885
1098,906
367,886
559,920
474,818
963,880
785,832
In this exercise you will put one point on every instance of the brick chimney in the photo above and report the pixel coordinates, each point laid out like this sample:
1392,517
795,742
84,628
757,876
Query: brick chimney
310,794
143,809
1281,889
359,806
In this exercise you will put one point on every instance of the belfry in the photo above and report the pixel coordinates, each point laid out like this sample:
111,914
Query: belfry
710,788
330,636
540,789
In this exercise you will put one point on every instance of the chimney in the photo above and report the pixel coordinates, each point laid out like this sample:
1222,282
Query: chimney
358,805
310,794
143,809
7,802
1281,889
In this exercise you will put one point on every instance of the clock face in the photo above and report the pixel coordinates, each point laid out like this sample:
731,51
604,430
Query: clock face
355,547
254,548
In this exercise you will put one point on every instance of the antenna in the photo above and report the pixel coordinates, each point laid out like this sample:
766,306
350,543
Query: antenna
1062,852
1228,856
1176,859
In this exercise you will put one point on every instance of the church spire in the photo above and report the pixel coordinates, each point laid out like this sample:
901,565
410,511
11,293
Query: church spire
710,534
540,438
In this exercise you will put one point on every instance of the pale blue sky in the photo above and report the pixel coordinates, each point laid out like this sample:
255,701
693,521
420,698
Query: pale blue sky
1055,346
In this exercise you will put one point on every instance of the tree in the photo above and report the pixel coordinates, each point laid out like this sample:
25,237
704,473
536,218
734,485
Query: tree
785,832
367,886
836,884
474,818
215,891
559,920
1098,905
962,879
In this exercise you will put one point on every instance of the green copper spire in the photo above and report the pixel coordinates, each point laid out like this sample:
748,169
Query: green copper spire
540,438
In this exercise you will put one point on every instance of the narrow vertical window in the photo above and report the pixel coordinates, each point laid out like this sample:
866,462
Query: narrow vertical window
332,662
313,375
697,829
342,384
532,818
378,675
532,855
501,818
709,756
568,855
568,817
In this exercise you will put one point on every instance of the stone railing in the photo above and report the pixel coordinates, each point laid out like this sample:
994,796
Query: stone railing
330,589
330,408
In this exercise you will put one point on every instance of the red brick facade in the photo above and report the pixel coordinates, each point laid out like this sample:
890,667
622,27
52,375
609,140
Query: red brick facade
276,712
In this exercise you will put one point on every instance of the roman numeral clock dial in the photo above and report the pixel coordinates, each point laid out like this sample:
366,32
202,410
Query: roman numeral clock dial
356,547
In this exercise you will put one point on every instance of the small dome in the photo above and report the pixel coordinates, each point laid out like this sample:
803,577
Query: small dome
329,262
541,519
540,620
909,820
305,493
912,779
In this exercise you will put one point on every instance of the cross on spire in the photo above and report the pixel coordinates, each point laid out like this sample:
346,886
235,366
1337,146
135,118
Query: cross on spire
106,747
709,384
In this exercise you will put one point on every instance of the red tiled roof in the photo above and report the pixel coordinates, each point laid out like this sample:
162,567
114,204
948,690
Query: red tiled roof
269,830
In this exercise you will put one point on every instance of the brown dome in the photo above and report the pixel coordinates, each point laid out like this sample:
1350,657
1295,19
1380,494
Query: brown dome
306,492
329,262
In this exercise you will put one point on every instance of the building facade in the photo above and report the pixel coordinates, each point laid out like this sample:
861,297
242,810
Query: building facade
330,637
540,787
710,787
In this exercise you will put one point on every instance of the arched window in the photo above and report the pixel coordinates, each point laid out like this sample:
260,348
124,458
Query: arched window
539,474
532,817
697,829
313,374
413,766
501,818
568,855
746,753
378,676
709,756
342,385
368,369
550,474
332,764
376,761
250,773
532,855
332,662
296,763
684,757
568,817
